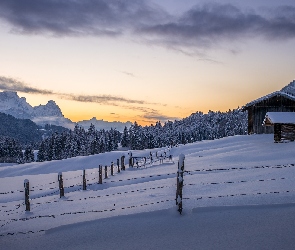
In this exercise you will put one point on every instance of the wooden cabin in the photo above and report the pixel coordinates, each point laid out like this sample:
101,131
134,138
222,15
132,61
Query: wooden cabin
283,124
279,101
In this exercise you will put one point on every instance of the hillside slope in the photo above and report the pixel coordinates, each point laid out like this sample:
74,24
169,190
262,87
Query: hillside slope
24,130
238,194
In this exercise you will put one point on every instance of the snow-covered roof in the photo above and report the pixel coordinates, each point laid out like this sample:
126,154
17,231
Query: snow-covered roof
288,92
279,117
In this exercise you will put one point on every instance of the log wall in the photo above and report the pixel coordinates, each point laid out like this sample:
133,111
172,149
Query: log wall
257,112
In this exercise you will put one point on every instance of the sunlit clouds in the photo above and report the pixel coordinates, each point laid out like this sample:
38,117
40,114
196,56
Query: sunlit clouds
139,60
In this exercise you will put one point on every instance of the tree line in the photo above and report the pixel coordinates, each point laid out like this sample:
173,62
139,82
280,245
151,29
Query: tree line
11,151
80,142
198,126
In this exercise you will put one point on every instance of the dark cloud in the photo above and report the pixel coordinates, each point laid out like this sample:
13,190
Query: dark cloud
203,26
200,28
208,25
10,84
103,99
76,18
154,115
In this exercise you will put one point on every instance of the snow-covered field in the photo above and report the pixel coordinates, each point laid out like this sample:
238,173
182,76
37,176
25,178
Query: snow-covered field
239,193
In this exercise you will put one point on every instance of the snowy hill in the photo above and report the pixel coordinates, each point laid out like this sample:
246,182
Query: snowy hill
238,193
23,130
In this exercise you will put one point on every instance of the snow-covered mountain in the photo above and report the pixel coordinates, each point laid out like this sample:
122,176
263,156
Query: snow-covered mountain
50,109
12,104
50,113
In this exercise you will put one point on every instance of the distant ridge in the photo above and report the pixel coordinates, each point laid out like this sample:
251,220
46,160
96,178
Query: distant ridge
24,130
101,124
50,113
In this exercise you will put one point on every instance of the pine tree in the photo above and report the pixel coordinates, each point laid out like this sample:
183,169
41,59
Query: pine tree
125,138
29,154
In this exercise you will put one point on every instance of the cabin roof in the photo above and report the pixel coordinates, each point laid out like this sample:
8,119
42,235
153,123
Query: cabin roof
287,92
276,93
279,117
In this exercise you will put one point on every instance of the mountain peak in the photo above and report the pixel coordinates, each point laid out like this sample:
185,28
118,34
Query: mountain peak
49,109
12,104
50,113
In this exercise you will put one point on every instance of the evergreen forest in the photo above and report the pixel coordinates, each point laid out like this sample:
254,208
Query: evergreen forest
80,142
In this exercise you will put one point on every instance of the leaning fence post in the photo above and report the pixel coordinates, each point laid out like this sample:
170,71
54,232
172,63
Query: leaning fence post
27,194
61,185
84,180
180,182
100,175
106,172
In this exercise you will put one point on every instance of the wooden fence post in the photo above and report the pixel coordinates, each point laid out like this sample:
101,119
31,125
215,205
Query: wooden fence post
180,182
177,183
27,194
106,172
100,175
130,159
61,185
84,180
112,168
118,164
123,162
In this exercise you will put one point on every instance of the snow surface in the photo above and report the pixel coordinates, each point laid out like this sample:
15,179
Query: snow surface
279,117
238,193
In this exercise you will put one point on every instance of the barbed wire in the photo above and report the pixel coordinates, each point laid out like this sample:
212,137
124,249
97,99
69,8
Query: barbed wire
75,213
129,207
235,182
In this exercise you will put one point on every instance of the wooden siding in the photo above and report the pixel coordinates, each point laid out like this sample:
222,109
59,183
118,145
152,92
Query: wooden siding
277,132
257,112
288,132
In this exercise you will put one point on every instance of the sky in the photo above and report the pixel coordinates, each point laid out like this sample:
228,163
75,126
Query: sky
144,61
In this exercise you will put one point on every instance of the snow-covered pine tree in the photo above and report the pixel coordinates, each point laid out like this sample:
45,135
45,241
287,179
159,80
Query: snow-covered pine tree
29,154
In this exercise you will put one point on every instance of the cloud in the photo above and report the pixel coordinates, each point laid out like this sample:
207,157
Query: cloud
127,73
154,115
76,18
203,27
103,99
206,26
11,84
149,114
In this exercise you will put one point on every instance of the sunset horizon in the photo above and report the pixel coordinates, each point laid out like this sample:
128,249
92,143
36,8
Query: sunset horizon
145,61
